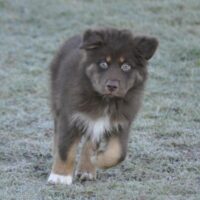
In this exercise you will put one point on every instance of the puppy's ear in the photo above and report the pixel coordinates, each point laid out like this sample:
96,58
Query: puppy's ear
91,40
146,46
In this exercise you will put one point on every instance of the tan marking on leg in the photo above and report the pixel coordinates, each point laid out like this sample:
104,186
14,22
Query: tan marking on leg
62,171
86,170
65,167
110,157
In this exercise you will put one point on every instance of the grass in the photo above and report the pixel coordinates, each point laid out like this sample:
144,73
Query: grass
163,162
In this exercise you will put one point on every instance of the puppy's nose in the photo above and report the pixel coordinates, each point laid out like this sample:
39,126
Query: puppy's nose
112,85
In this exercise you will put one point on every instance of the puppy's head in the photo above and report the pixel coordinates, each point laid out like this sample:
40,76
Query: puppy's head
116,60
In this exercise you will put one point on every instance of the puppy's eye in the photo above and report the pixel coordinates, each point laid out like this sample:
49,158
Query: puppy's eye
125,67
103,65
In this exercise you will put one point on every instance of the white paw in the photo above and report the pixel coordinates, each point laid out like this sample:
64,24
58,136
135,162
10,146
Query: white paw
59,179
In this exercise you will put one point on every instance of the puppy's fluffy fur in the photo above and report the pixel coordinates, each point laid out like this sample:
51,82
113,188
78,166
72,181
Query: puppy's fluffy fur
97,83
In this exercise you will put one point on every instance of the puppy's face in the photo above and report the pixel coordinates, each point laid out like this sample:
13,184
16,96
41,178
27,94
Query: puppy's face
116,61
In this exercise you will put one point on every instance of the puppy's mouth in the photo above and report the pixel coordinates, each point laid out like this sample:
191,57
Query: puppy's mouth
113,95
109,95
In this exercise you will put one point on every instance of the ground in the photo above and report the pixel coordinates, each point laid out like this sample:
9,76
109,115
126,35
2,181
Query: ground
163,159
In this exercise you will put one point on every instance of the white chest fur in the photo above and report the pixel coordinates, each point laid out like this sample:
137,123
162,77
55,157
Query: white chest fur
95,128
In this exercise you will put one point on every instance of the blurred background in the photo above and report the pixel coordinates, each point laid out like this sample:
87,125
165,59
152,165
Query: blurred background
164,149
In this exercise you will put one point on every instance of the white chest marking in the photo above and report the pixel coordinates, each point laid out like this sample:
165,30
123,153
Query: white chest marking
95,128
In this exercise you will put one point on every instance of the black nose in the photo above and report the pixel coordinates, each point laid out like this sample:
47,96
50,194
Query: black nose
112,85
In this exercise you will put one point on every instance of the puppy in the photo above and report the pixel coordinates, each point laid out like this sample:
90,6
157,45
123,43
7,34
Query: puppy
97,84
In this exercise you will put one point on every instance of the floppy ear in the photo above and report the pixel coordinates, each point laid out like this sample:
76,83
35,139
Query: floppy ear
146,45
91,40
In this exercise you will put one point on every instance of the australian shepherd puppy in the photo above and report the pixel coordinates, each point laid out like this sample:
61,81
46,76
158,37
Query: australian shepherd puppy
97,84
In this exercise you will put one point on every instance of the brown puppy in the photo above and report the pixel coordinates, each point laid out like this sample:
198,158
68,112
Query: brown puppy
97,83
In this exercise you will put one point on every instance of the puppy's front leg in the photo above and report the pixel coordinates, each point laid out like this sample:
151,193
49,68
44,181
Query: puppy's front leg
86,170
65,145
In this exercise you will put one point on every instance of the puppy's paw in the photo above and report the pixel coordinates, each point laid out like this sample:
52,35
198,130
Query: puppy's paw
85,176
59,179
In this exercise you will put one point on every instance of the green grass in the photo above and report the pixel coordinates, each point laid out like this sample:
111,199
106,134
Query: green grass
163,161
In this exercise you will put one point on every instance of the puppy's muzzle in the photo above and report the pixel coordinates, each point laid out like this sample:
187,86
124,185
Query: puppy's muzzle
112,86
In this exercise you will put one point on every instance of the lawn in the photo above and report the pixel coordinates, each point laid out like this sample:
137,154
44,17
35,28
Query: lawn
163,161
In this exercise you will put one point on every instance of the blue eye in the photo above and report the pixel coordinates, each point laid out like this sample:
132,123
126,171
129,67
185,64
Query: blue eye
125,67
103,65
